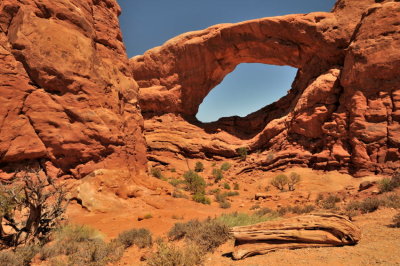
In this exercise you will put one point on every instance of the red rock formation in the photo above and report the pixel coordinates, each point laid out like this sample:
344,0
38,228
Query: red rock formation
343,110
67,98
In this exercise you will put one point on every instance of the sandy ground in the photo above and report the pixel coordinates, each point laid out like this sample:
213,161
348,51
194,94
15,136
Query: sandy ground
380,244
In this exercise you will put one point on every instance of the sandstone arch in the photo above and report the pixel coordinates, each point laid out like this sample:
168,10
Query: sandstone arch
330,119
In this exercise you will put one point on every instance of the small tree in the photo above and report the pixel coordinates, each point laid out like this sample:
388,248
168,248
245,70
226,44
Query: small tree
199,167
194,182
31,206
294,178
279,181
242,152
225,166
217,174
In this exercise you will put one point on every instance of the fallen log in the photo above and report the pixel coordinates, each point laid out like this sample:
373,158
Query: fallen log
311,230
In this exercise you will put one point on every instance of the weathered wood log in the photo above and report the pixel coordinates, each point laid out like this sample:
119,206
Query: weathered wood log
312,230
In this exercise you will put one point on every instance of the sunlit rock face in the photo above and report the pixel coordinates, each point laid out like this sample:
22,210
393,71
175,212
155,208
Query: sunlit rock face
68,100
343,110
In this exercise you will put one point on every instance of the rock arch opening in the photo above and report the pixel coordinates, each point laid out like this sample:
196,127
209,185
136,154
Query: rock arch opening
247,89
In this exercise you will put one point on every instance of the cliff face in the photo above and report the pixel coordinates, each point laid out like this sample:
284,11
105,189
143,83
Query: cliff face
68,101
343,111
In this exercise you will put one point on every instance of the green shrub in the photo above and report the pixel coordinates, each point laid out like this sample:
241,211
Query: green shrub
217,175
179,194
231,193
171,255
9,258
156,172
241,219
199,167
225,166
242,152
396,220
385,185
227,186
369,205
330,202
83,246
302,209
173,170
236,186
208,234
176,182
294,178
391,201
139,237
194,182
201,198
280,181
77,233
389,184
255,207
148,216
263,211
225,205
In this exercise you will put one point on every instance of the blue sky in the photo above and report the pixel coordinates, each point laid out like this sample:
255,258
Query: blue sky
149,23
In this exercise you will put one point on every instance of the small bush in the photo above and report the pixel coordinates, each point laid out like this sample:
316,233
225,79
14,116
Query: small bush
179,194
301,210
201,198
240,219
255,207
369,205
9,258
385,185
330,202
227,186
391,201
225,204
294,178
263,211
173,170
280,181
236,186
156,172
242,152
396,221
176,182
139,237
389,184
199,167
171,255
225,166
194,182
217,175
148,216
232,193
83,246
208,234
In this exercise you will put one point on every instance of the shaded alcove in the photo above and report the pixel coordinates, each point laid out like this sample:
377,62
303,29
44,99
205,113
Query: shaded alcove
247,89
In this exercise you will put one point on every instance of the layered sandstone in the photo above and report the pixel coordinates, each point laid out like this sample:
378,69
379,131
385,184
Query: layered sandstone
68,101
342,111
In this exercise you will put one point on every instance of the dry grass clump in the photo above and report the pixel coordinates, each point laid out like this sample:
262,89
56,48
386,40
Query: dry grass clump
241,219
208,234
171,255
139,237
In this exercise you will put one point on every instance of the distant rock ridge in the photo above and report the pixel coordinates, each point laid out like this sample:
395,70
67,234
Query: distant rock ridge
342,113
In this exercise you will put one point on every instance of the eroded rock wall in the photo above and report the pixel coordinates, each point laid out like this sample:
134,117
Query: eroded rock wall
341,113
68,100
